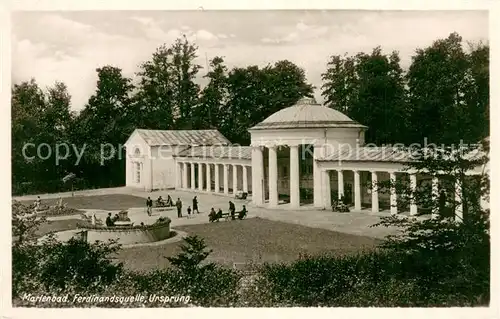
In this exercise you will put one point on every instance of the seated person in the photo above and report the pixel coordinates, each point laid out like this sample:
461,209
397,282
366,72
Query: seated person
242,213
212,215
115,218
219,213
170,202
160,200
109,221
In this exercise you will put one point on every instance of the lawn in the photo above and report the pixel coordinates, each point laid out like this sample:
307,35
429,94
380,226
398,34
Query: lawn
251,240
57,225
105,202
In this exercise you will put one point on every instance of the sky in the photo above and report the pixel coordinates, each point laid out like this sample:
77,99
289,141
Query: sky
70,46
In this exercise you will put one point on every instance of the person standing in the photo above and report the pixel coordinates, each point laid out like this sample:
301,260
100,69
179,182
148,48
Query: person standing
195,205
178,204
232,209
189,211
149,205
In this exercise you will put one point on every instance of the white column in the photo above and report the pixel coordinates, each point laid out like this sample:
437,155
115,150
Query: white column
273,176
317,178
394,200
217,182
184,175
458,201
192,175
245,179
294,176
179,171
340,188
200,176
178,175
374,192
209,179
235,178
413,202
327,195
226,179
257,176
435,197
357,190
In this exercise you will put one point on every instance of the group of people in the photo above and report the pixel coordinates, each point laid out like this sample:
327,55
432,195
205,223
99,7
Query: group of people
190,210
110,221
195,208
215,216
160,202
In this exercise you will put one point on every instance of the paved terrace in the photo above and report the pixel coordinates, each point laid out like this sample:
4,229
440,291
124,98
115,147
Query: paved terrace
354,222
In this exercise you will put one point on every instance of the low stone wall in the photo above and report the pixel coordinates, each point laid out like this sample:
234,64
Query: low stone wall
129,234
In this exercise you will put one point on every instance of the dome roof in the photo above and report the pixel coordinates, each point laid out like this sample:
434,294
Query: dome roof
307,113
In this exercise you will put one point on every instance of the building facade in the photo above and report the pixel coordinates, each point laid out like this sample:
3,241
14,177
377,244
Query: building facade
301,156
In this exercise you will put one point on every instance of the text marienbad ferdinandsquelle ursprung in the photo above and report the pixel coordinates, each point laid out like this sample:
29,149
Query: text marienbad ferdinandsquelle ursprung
77,298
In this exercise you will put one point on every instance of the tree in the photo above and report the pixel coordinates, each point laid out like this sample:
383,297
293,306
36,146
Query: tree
58,115
25,222
477,94
39,118
186,91
210,111
461,229
193,253
28,102
167,91
437,84
439,248
254,94
380,102
369,88
104,120
154,99
340,83
47,264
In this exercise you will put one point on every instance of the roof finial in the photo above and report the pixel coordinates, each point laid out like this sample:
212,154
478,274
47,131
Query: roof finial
307,100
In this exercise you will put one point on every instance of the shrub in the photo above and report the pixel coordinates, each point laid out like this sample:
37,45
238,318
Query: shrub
378,278
78,265
208,284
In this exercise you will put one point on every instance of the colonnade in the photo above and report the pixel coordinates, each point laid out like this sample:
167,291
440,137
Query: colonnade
393,199
185,178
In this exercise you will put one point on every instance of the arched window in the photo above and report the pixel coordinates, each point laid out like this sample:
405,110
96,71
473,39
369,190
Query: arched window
137,151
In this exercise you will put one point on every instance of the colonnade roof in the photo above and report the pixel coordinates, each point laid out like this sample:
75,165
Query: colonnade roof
182,137
368,154
218,151
307,113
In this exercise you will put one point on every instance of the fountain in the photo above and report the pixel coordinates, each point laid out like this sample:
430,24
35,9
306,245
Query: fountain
124,231
123,219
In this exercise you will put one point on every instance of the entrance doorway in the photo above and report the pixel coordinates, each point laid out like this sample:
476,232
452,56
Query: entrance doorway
138,173
348,194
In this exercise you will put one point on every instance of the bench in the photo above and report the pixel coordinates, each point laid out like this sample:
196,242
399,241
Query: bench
227,216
